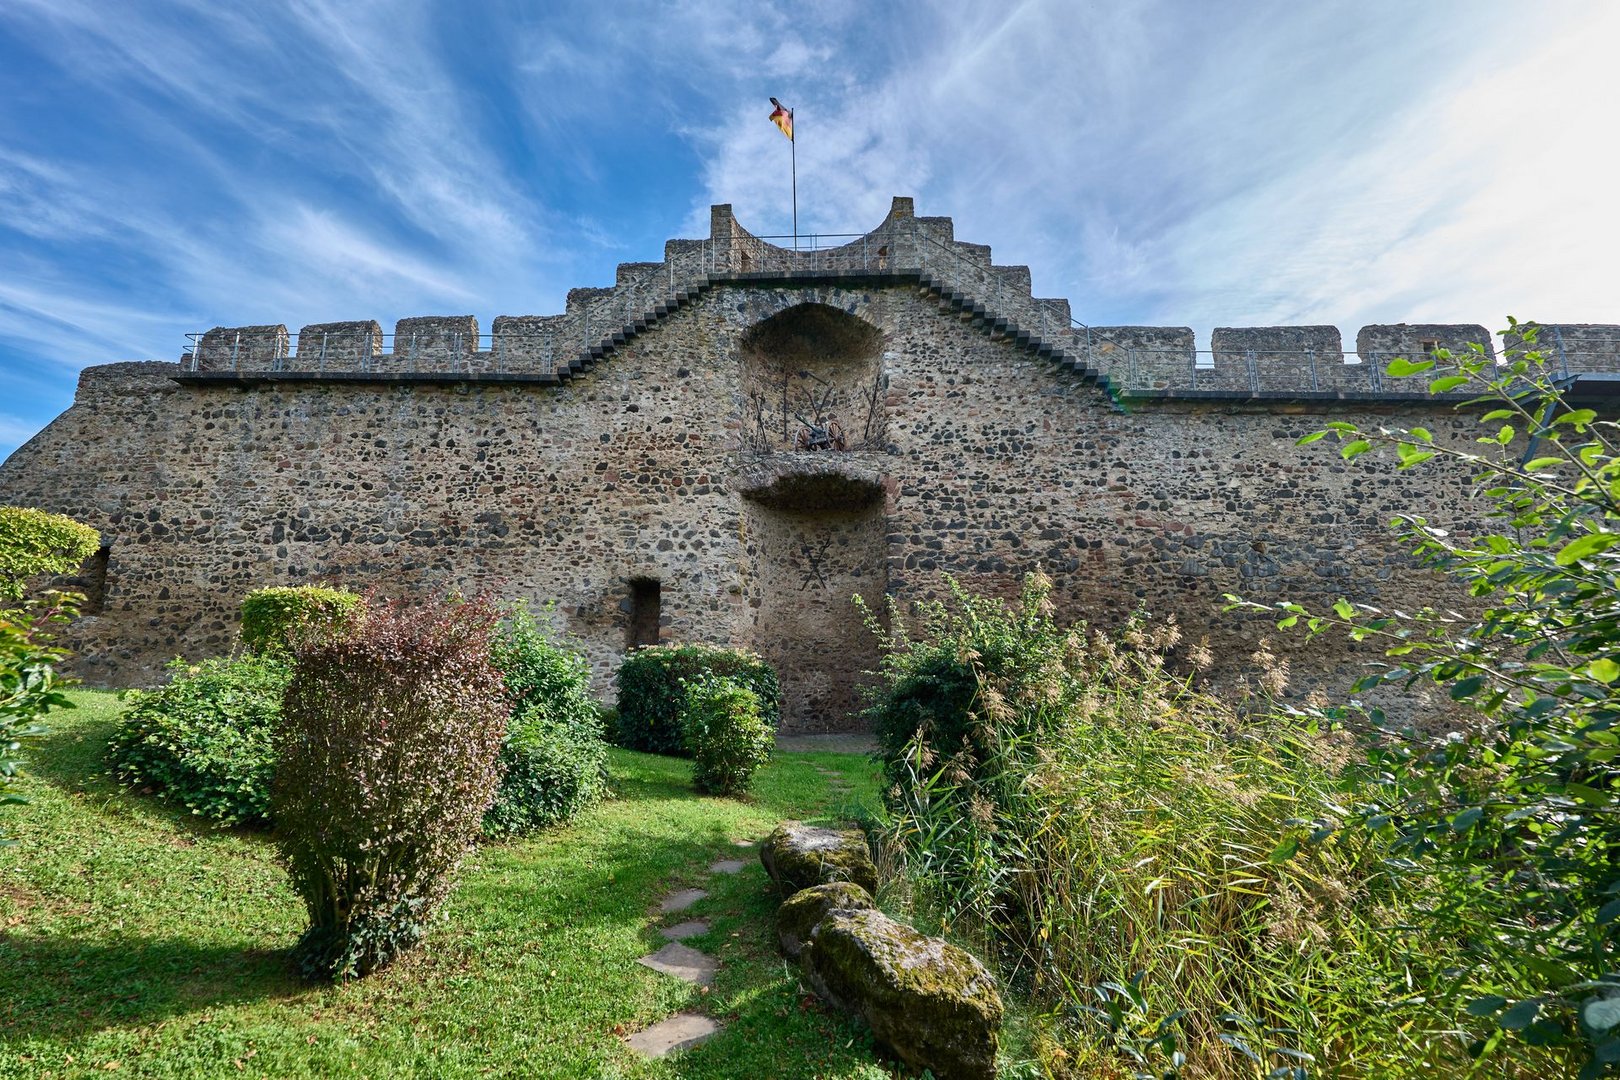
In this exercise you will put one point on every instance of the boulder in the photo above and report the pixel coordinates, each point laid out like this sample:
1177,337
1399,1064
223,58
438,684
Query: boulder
798,856
807,907
929,1002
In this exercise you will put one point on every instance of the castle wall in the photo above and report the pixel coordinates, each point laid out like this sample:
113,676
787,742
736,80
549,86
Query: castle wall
995,462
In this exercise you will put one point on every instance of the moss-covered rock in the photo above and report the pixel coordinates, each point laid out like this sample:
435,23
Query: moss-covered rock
798,856
931,1003
807,907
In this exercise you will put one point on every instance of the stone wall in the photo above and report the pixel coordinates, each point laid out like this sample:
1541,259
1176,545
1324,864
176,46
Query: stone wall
990,460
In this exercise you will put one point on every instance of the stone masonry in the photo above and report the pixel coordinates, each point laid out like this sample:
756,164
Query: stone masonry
764,435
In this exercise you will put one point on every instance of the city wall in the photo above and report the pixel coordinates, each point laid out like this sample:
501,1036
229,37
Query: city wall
656,444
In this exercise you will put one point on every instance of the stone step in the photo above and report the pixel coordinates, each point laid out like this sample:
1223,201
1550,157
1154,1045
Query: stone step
680,900
688,929
683,962
667,1036
727,866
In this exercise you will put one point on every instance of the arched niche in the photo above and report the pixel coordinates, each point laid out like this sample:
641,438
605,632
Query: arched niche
812,377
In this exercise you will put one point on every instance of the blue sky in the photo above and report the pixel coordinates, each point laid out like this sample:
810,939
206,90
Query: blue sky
170,165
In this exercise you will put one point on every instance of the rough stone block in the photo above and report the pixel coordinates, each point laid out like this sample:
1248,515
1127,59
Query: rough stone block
340,346
798,856
802,911
242,348
931,1003
433,341
1572,348
1280,359
1138,357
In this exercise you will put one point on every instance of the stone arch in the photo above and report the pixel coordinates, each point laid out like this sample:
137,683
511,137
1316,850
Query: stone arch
809,369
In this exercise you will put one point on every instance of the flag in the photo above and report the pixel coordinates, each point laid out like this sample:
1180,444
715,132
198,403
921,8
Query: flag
782,117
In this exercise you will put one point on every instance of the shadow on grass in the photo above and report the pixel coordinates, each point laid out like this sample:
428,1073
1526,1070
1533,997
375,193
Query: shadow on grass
64,988
73,756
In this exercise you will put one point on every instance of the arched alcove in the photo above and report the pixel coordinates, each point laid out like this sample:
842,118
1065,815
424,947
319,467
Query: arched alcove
812,376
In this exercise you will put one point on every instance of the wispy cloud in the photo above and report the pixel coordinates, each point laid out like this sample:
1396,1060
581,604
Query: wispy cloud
170,165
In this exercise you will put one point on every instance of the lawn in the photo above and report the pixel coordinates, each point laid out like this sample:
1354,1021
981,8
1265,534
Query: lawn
137,940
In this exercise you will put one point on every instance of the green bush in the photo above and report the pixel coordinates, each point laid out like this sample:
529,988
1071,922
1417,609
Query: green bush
33,542
553,759
386,763
652,695
725,734
1514,812
29,687
274,618
205,740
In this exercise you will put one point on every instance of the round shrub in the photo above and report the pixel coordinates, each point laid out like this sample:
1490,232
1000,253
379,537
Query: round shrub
33,542
726,735
386,765
274,618
205,739
652,694
553,760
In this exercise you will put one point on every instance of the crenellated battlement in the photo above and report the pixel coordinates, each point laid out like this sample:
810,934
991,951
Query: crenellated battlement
1133,362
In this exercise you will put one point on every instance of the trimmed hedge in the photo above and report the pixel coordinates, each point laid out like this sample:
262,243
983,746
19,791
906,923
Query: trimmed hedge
553,760
652,694
273,617
726,735
33,542
205,739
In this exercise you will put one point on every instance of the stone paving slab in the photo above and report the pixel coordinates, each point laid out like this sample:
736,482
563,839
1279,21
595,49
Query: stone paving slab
680,900
727,866
683,962
682,931
676,1033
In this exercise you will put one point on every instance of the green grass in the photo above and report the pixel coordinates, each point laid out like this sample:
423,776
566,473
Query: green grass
137,940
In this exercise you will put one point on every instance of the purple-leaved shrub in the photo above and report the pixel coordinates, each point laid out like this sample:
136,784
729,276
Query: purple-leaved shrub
386,764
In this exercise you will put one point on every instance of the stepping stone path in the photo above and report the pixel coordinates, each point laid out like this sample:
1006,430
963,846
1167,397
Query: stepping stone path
683,962
676,1033
680,900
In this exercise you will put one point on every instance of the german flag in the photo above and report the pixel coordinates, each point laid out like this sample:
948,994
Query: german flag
782,117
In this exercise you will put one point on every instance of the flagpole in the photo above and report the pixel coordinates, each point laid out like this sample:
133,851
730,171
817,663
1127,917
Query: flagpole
793,156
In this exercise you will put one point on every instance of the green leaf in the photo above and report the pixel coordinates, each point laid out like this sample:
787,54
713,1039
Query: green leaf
1312,437
1447,382
1583,546
1355,449
1604,671
1401,367
1504,436
1489,1005
1421,434
1579,417
1521,1015
1601,1014
1540,463
1466,688
1608,912
1497,414
1344,609
1285,850
1467,819
1409,460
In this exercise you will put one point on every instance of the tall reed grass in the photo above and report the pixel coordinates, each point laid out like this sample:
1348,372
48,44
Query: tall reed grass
1127,848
